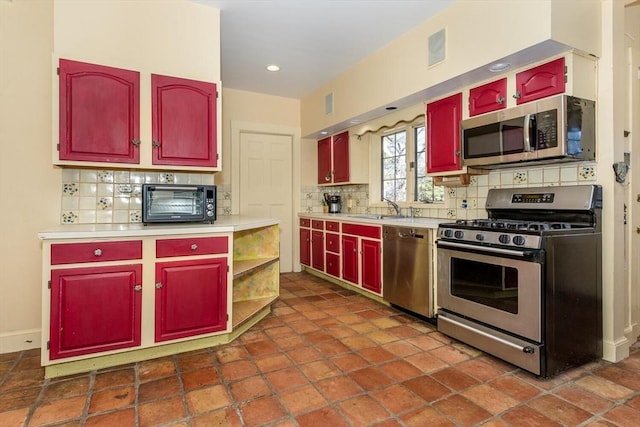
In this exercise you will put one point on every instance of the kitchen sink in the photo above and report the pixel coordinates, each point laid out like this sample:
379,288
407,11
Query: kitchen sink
377,216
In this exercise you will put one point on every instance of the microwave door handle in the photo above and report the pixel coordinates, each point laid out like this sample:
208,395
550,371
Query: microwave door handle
527,132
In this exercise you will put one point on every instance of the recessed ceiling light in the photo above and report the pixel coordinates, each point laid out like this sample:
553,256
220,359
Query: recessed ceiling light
324,132
273,67
355,121
499,66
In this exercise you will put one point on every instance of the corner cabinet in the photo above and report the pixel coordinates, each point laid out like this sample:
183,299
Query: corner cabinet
443,134
342,162
114,300
99,110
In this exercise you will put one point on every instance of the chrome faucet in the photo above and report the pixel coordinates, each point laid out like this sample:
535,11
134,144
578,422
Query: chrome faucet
394,204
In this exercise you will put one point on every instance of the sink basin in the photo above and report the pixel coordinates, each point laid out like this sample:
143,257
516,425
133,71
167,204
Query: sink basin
377,216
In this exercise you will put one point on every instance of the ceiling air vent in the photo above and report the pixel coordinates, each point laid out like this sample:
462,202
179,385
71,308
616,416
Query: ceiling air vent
328,103
437,46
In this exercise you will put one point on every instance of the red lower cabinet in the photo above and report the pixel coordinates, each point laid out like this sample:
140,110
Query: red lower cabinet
305,246
333,264
371,256
191,298
317,249
94,309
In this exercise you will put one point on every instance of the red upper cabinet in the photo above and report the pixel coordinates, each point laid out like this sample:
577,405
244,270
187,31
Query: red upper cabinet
488,97
341,157
184,122
324,161
541,81
443,134
334,159
99,116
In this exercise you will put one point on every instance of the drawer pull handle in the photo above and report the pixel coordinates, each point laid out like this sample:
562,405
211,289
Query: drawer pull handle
159,285
194,247
137,288
97,252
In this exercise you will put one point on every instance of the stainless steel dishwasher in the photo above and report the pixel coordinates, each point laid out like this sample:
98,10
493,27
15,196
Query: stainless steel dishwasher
406,258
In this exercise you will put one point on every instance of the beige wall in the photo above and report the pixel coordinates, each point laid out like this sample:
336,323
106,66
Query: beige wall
29,185
256,108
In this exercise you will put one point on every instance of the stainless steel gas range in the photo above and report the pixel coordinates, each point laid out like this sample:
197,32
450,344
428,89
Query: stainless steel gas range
526,284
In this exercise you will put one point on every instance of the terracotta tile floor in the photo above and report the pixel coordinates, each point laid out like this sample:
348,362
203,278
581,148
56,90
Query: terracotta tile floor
324,357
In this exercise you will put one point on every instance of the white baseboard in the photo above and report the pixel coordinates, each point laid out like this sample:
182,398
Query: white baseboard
20,340
615,351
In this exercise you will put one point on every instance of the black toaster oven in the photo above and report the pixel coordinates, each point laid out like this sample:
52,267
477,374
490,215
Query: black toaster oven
178,203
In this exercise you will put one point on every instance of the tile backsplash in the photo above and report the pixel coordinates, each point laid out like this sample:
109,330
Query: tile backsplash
97,196
102,196
465,202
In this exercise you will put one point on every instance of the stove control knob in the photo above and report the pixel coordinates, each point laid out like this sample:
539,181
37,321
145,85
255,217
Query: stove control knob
518,240
448,233
504,239
479,237
459,234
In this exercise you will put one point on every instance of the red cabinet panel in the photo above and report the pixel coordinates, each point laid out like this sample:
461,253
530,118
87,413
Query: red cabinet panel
333,242
305,222
99,118
191,298
443,134
94,309
317,224
70,253
191,246
332,226
333,264
350,259
305,246
317,250
541,81
341,157
184,122
488,97
371,257
372,231
324,161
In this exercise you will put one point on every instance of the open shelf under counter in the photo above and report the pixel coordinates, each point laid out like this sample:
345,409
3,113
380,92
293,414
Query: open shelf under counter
246,266
245,310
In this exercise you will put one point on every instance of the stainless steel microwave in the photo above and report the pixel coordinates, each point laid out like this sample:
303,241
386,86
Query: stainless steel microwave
559,128
178,203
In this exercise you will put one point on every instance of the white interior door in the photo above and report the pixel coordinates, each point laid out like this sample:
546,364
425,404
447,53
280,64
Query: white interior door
266,184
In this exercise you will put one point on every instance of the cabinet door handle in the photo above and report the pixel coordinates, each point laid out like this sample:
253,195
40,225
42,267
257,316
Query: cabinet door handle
457,153
500,100
327,177
155,144
137,288
194,247
136,142
517,95
159,285
98,252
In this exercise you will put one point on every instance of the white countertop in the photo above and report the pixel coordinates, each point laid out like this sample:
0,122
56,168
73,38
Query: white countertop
422,222
224,224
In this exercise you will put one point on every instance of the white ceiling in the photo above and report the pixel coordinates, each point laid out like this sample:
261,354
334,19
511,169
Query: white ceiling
313,41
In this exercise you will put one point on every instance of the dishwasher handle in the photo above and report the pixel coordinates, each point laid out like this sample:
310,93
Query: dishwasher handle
410,235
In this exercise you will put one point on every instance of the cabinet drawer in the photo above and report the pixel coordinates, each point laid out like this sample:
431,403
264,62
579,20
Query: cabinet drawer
305,222
191,246
317,224
332,226
333,242
362,230
70,253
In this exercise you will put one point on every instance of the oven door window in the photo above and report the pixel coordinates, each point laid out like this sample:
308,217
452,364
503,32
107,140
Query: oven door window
487,284
171,202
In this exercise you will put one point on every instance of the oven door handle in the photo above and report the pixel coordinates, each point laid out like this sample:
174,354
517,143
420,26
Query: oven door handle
500,251
527,349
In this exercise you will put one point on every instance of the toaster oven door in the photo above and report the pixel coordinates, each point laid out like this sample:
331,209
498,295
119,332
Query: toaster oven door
170,203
